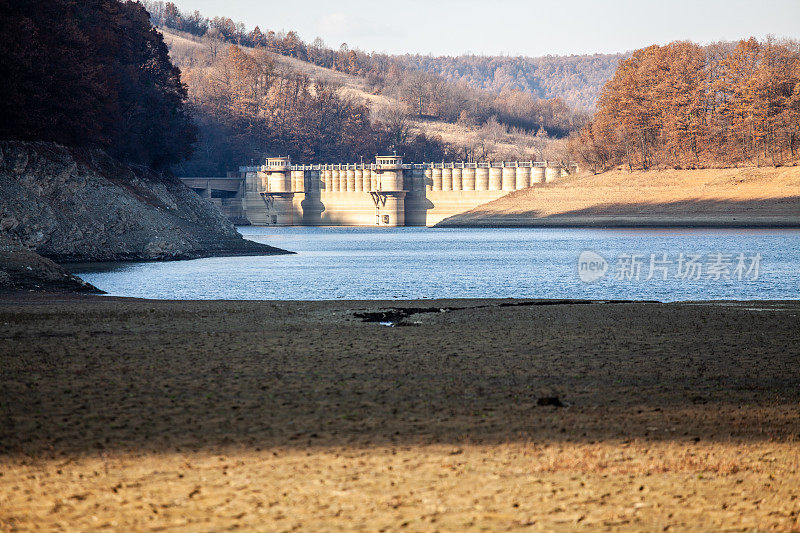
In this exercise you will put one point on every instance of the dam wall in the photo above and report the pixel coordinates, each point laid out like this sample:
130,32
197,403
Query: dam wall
448,203
385,193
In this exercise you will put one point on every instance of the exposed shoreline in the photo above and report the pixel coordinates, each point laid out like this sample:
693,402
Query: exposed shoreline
22,296
73,205
467,415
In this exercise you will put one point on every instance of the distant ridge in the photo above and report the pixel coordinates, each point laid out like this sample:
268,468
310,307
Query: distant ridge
577,79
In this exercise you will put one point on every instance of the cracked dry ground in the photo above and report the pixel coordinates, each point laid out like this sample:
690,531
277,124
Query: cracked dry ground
143,415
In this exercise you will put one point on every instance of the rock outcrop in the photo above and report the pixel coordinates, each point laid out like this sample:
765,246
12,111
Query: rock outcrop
73,205
24,270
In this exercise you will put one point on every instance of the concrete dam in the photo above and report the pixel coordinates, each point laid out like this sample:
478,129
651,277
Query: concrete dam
385,193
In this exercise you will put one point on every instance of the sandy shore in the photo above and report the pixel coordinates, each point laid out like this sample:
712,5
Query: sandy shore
746,197
140,415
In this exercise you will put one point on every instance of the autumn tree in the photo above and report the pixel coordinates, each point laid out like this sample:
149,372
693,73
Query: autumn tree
686,105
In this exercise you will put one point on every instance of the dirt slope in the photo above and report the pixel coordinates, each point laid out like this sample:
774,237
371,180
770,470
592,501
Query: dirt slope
715,197
24,270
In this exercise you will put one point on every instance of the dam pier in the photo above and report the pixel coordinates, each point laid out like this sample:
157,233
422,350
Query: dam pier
385,193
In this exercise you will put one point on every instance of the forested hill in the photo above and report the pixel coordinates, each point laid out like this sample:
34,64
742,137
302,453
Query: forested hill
423,96
576,79
689,105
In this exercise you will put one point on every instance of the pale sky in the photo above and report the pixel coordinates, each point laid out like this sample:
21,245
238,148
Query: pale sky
511,27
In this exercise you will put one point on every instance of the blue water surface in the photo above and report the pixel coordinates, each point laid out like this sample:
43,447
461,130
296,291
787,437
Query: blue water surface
409,263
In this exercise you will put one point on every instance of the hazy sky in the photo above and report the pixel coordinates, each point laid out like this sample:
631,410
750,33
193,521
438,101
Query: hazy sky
511,27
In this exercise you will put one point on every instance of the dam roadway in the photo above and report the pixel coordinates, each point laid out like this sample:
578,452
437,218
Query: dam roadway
385,193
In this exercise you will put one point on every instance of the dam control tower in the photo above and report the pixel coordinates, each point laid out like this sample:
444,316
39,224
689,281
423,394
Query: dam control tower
277,191
389,194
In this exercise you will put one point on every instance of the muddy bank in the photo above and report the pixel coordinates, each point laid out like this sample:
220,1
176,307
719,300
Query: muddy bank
465,415
300,368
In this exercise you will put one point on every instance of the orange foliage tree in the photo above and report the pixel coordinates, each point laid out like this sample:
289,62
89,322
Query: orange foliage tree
686,105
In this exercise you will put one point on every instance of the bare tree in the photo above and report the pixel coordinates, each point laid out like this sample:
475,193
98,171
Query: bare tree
396,120
213,40
539,144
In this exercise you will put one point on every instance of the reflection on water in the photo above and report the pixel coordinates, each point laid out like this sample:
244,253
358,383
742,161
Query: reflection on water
410,263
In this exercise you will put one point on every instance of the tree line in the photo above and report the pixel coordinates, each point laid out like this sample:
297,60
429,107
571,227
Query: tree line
685,105
91,72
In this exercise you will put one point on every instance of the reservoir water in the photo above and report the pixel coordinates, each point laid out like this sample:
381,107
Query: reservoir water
410,263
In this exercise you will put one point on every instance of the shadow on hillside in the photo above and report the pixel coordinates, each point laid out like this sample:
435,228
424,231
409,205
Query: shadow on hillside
771,212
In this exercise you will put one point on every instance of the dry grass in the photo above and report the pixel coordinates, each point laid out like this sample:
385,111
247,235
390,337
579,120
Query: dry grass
136,415
506,146
184,46
726,196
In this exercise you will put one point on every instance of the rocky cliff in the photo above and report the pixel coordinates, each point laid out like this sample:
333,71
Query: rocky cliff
82,205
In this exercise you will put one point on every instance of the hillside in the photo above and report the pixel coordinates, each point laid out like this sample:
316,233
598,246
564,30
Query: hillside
714,197
577,79
185,49
194,56
79,205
